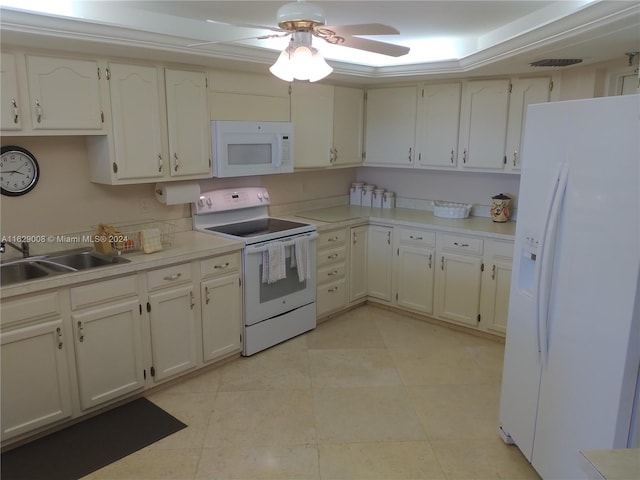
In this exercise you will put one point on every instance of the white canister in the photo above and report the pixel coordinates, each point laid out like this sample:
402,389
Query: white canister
376,200
355,193
388,200
367,195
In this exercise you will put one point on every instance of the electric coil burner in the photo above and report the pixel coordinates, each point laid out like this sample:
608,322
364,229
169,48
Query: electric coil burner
274,311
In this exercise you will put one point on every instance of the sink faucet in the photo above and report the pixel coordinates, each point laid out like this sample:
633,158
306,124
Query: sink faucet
23,248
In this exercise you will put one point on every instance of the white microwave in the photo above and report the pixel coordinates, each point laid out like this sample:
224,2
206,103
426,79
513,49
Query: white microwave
251,148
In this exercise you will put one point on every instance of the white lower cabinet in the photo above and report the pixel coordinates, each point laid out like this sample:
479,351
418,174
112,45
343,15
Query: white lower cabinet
221,306
331,276
35,364
379,262
358,262
496,284
415,256
172,317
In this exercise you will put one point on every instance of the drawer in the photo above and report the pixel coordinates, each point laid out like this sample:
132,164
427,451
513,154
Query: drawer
30,307
331,273
459,243
165,277
104,291
332,238
335,255
417,237
330,297
221,265
501,249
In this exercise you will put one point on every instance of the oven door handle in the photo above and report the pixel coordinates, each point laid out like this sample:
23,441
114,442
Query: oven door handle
287,243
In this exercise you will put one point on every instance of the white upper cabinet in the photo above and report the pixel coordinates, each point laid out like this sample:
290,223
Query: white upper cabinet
312,117
483,124
348,126
391,126
64,93
10,103
438,125
525,91
188,123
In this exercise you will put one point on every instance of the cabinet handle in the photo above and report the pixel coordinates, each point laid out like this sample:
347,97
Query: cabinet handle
515,158
177,163
389,237
206,295
332,239
415,238
331,290
221,266
193,302
452,155
173,277
355,238
331,274
464,156
159,162
333,255
59,334
493,272
80,334
442,263
430,258
410,154
460,244
38,111
15,110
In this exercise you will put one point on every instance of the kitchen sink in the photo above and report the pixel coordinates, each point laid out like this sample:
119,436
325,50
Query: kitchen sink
85,260
55,264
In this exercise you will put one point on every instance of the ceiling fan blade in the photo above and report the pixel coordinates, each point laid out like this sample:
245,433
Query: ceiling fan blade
247,25
374,46
361,29
259,37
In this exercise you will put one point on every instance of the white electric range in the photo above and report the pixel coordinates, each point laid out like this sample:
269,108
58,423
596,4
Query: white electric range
274,311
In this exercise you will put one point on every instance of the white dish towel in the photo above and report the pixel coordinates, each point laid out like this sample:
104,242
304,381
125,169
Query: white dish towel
274,263
300,258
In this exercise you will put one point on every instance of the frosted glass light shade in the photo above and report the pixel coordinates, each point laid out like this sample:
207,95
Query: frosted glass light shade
300,63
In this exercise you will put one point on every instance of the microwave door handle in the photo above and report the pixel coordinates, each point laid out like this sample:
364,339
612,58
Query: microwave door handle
278,152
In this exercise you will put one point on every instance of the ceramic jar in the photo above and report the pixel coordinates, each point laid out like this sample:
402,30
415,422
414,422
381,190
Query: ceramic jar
500,208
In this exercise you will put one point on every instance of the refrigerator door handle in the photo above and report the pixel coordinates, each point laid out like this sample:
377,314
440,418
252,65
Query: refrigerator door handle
546,261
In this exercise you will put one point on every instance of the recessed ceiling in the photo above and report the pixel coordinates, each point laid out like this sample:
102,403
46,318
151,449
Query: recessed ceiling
445,37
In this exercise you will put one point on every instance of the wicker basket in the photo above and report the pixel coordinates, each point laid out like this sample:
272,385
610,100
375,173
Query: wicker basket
451,209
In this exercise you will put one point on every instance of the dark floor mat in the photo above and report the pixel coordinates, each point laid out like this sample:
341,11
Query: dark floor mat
89,445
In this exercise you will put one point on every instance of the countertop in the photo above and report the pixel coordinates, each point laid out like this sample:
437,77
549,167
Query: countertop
620,464
345,215
185,247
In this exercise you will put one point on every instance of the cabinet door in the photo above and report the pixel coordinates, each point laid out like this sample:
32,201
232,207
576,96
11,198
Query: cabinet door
415,278
221,316
439,125
379,260
173,331
391,126
188,123
64,93
525,92
348,125
137,126
312,117
35,377
108,345
358,263
458,288
483,124
11,117
496,285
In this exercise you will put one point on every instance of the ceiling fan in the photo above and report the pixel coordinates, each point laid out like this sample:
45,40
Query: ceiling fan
302,20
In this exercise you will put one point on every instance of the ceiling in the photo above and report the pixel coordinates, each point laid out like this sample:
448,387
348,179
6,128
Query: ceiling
446,38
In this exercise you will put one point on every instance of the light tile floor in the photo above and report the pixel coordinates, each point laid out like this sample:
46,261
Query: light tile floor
370,394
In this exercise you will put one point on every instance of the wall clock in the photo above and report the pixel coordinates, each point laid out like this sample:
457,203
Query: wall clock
19,171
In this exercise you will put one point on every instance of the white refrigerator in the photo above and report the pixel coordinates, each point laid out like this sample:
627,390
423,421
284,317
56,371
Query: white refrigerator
572,353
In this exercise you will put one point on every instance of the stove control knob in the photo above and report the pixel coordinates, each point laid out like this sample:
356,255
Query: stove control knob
266,196
200,203
259,196
209,202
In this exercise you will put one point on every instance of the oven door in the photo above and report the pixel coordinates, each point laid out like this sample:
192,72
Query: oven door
266,300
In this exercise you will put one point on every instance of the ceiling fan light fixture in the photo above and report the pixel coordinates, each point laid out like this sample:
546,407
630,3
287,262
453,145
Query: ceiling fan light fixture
300,61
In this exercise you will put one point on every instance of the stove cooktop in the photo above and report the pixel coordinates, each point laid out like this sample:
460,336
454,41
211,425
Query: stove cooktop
255,228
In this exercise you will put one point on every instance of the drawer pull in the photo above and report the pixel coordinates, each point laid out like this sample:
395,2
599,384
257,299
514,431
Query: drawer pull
192,299
173,277
333,289
80,334
224,265
331,274
59,334
460,244
415,238
333,255
332,239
